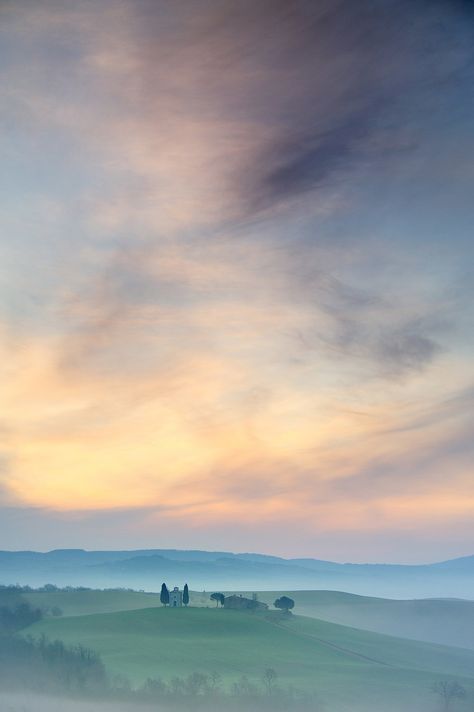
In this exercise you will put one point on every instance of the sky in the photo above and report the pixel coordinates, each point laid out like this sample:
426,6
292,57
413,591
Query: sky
236,276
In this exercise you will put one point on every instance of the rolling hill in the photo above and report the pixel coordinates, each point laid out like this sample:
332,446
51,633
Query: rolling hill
343,664
443,621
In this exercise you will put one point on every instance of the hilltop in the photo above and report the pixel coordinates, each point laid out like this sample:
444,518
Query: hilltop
443,621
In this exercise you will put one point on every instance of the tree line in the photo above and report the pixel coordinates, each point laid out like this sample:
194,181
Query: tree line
52,588
41,664
17,617
49,666
209,691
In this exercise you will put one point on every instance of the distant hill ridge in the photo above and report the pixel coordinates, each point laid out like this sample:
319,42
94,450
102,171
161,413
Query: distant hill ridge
146,568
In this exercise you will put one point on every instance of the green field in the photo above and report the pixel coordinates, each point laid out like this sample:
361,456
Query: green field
448,622
348,668
445,621
78,603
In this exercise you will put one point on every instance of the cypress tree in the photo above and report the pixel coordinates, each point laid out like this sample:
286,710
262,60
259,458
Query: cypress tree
185,594
164,595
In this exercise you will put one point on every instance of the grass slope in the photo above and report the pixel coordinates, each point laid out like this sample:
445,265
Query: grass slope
78,603
348,667
444,621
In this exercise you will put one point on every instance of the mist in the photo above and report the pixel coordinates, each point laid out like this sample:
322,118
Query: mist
86,649
145,569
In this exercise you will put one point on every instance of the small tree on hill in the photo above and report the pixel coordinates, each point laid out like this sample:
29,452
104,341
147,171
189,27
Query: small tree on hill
215,680
218,598
284,603
448,691
185,594
269,680
164,595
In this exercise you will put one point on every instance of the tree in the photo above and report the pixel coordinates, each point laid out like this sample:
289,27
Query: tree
215,680
196,684
284,603
244,688
164,595
185,594
269,679
218,598
154,686
448,691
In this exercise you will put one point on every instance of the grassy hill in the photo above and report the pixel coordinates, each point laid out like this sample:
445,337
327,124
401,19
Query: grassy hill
444,621
341,663
78,603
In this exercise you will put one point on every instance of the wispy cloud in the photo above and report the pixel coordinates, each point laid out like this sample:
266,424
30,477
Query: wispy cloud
228,295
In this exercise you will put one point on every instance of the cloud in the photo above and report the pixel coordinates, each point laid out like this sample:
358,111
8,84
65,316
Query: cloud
295,165
406,348
225,298
457,405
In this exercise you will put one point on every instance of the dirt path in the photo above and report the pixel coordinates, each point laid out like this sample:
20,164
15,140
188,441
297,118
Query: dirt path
339,648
